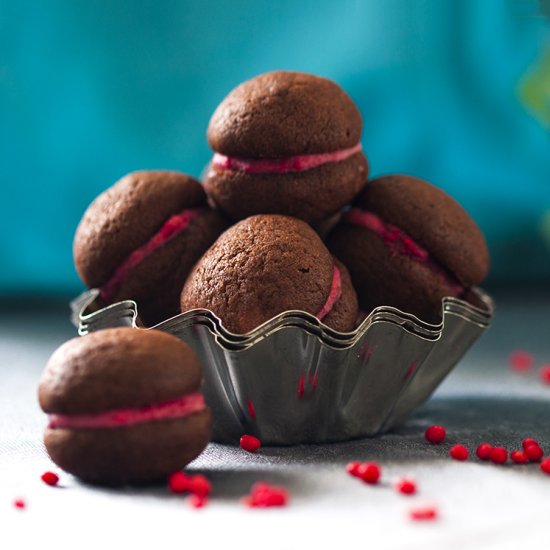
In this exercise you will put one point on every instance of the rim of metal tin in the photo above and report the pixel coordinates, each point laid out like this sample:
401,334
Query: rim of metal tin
125,313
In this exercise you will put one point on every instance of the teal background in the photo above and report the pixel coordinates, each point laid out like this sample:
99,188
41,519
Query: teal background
90,90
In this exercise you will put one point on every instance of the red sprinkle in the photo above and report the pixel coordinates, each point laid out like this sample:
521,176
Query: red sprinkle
529,441
534,453
264,495
545,466
483,451
544,374
353,468
20,503
250,443
423,513
370,472
405,486
521,361
200,486
499,455
198,501
50,478
459,452
251,409
178,482
435,434
519,457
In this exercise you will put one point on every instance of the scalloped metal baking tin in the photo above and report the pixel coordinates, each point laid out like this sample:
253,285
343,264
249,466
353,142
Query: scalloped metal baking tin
294,380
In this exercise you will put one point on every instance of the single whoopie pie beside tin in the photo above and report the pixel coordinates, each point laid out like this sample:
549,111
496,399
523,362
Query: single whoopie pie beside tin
408,244
139,239
265,265
286,143
124,406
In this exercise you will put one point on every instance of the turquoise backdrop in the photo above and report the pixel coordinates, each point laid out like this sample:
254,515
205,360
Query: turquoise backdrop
455,91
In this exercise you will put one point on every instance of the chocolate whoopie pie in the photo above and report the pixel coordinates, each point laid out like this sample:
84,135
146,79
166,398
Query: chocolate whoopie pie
123,406
139,239
286,143
408,244
265,265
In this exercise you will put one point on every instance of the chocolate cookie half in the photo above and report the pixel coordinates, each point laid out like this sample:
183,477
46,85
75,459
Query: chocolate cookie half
408,244
286,143
123,406
265,265
139,239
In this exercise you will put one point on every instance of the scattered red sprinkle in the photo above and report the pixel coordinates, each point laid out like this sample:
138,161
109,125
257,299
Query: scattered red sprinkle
178,482
435,434
251,409
50,478
423,513
405,486
264,495
499,455
370,472
529,441
544,374
521,361
200,486
545,466
19,503
519,457
534,453
353,469
198,501
483,451
459,452
250,443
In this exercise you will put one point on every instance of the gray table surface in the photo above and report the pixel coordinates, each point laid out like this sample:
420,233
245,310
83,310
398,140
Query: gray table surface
481,505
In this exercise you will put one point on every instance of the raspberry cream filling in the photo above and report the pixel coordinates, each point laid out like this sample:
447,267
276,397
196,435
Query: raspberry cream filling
334,294
175,225
399,242
299,163
176,408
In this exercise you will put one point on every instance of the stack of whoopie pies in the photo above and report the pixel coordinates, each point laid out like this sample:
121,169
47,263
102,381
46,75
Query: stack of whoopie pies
287,165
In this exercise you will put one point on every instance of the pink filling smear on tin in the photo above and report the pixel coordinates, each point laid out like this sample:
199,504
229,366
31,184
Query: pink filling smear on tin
400,243
173,226
175,408
298,163
334,294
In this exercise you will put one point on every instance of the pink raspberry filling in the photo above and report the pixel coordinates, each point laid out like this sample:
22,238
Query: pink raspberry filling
395,239
170,229
400,243
299,163
175,408
334,294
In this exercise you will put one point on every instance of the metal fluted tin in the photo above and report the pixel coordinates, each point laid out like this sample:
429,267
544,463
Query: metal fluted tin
294,380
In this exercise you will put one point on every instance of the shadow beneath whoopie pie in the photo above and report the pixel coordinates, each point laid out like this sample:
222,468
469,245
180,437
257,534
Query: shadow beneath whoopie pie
227,484
233,485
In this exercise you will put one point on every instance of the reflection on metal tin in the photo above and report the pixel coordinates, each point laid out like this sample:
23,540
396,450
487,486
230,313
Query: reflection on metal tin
294,380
